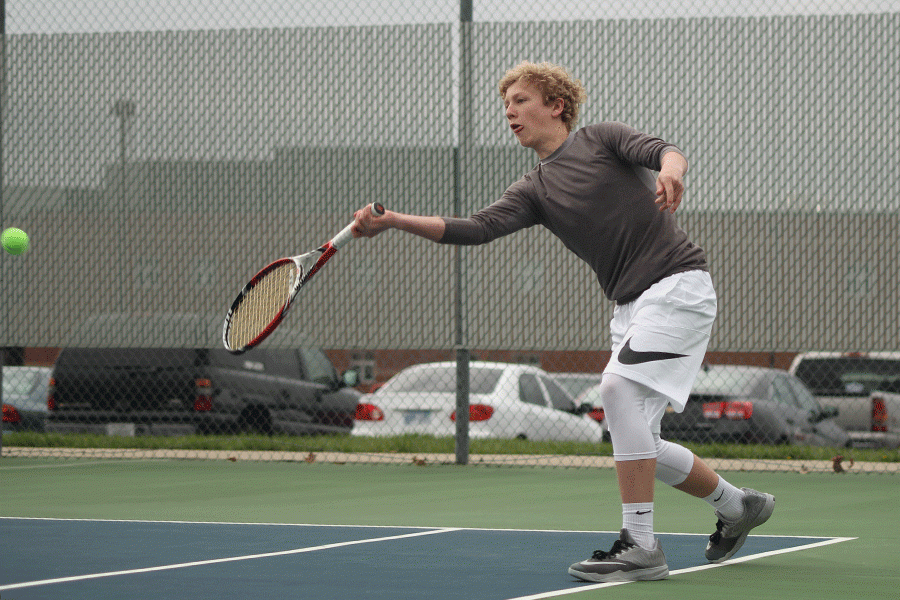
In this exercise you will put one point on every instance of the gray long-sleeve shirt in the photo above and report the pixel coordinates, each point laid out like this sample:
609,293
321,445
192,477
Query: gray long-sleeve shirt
595,193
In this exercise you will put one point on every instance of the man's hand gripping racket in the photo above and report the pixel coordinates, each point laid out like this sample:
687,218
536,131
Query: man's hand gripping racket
264,301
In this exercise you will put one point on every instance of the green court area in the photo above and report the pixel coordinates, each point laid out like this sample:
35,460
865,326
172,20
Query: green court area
862,507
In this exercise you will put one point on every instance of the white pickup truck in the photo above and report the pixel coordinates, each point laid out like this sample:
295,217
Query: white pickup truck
863,386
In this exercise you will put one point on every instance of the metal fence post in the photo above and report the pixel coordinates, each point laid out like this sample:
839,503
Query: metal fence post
462,352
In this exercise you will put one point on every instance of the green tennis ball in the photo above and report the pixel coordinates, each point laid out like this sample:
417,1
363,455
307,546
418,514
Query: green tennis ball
15,241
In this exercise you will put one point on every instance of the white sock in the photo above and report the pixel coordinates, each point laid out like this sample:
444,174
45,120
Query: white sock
637,518
727,500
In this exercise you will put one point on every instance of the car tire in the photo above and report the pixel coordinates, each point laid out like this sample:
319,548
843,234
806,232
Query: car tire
255,419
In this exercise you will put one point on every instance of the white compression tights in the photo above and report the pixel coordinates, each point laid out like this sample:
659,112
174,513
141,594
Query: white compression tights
633,414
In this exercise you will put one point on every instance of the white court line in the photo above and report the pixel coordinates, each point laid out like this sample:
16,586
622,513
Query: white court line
25,584
431,531
250,523
359,526
597,586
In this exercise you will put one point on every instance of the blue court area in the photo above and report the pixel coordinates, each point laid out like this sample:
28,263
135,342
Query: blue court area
97,560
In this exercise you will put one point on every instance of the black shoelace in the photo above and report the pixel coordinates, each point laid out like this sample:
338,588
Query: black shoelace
617,548
717,536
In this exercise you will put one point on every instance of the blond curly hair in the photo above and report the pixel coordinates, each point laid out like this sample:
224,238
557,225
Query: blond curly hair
553,82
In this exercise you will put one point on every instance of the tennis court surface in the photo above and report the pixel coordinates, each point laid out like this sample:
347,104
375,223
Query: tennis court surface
139,559
178,529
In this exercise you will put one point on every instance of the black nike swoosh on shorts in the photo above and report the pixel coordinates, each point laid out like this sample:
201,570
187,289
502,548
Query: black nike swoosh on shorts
627,356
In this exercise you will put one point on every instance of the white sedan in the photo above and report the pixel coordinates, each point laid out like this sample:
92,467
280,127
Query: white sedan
505,401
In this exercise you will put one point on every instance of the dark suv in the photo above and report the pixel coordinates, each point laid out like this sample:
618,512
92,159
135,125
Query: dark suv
177,391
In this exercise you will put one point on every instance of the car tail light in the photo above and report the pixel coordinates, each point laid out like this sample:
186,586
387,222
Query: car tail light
879,414
735,411
203,399
368,412
10,414
51,394
597,414
477,412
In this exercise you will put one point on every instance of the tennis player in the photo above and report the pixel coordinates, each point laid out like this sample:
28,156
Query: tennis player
594,189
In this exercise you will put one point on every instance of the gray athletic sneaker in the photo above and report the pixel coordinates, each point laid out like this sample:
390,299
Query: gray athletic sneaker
730,536
626,561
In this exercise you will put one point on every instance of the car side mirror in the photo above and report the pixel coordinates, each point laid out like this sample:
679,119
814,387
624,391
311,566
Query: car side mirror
583,409
828,412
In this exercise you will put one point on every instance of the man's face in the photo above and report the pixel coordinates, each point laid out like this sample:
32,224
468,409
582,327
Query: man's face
529,118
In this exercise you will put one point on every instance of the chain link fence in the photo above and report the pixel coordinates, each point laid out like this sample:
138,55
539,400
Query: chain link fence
159,155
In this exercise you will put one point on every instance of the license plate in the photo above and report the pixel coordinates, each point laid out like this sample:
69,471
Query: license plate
416,417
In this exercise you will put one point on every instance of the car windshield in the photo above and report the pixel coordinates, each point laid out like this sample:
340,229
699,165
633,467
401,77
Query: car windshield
442,379
17,384
849,375
590,396
577,384
731,382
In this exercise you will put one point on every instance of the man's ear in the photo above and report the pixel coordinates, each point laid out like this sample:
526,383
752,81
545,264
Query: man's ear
558,105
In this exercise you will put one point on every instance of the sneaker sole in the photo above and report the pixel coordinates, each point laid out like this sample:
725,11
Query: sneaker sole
761,518
649,574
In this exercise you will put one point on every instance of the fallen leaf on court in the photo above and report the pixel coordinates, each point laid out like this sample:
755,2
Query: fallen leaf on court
837,464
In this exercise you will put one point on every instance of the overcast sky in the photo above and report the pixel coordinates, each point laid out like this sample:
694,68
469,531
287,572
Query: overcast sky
82,16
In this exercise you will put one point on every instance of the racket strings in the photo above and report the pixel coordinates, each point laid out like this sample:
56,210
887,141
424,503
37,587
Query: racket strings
261,305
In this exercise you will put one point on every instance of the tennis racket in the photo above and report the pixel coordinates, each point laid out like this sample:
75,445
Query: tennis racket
265,300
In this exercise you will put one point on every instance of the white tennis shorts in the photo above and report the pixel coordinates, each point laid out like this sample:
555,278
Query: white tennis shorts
660,339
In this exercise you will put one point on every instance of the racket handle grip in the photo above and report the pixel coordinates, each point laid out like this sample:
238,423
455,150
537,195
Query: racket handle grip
346,234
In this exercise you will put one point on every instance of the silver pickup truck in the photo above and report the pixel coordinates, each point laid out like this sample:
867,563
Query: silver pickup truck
863,386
